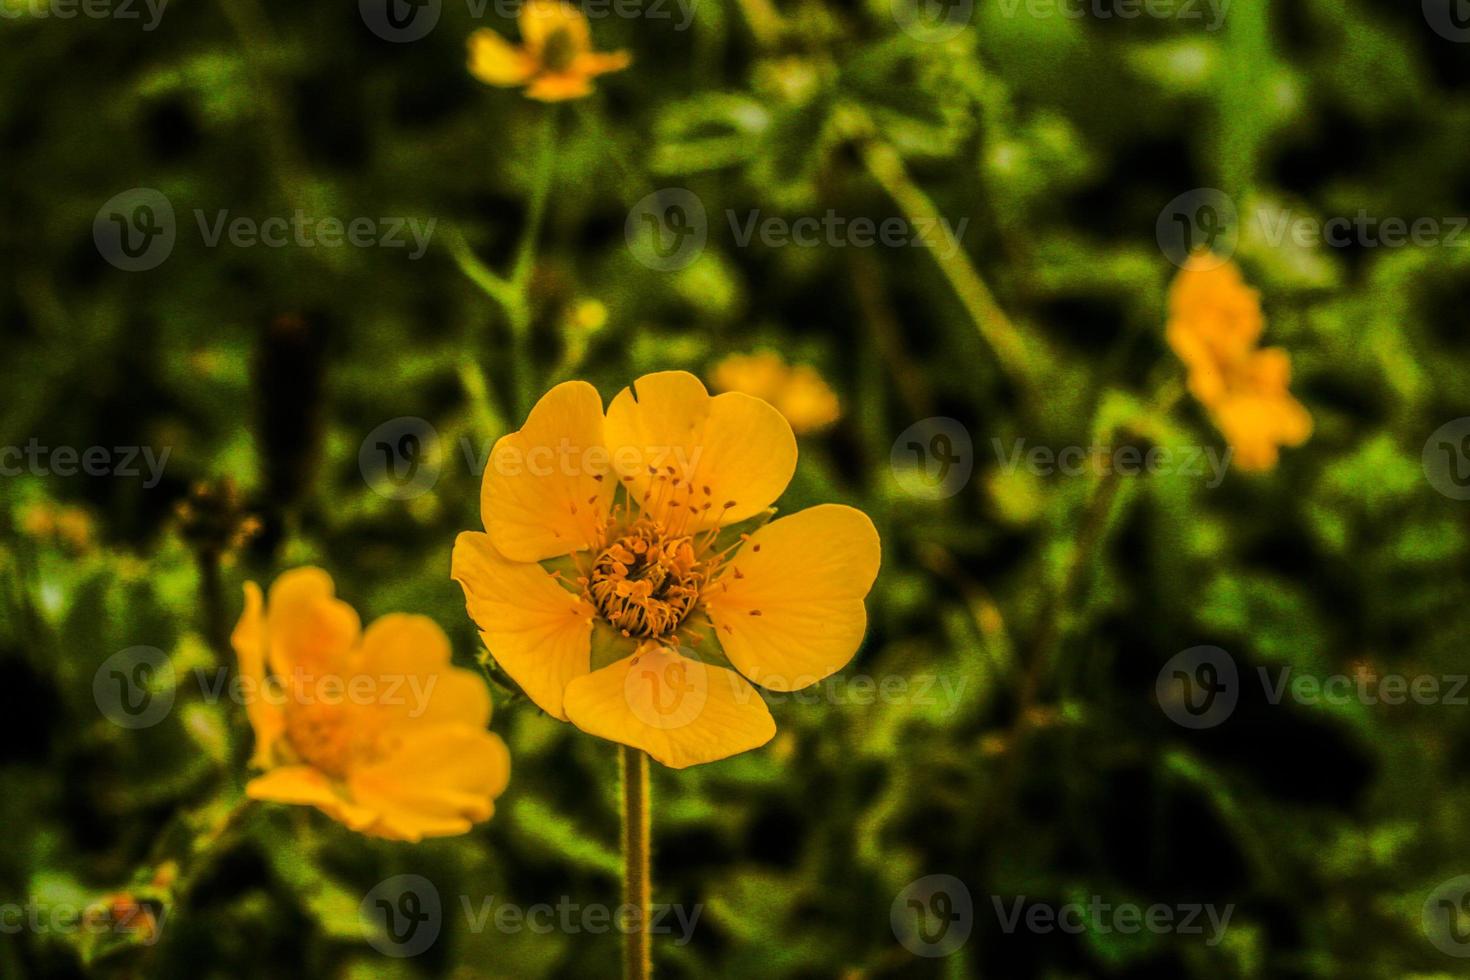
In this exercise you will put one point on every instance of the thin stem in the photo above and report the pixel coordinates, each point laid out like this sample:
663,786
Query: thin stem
886,166
518,310
637,887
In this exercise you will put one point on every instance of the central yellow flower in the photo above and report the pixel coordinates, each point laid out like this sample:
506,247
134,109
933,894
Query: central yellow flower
616,545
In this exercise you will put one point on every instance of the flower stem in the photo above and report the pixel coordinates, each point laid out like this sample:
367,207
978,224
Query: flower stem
883,162
637,888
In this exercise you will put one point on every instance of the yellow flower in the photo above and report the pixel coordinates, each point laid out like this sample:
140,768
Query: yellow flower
798,391
374,728
637,512
555,61
1215,323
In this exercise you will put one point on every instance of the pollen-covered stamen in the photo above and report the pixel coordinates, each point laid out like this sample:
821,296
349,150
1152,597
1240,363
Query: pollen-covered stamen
647,581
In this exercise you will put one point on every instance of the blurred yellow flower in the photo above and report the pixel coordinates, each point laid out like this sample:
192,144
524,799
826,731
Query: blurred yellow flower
71,527
555,60
629,509
1215,323
374,728
797,391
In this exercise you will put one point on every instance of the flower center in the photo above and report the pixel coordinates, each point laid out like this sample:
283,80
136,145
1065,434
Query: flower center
559,50
321,735
646,582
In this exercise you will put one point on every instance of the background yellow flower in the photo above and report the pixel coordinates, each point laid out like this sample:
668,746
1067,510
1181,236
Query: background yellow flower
374,728
555,60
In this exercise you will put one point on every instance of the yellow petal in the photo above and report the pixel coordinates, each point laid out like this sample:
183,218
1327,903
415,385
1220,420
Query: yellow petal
680,711
593,63
266,720
559,87
303,785
731,449
307,626
406,660
249,643
547,487
438,783
794,614
538,632
539,19
495,61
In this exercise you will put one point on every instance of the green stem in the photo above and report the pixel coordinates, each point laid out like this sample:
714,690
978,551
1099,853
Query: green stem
518,310
637,887
886,166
